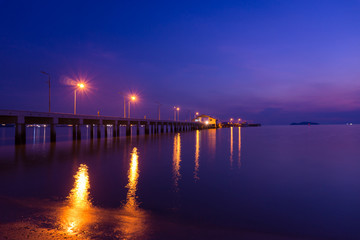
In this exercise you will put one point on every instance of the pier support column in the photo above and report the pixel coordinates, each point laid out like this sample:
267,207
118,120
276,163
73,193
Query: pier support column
20,134
114,130
146,129
78,132
128,129
138,128
118,130
161,128
74,131
106,131
91,131
53,124
98,131
52,132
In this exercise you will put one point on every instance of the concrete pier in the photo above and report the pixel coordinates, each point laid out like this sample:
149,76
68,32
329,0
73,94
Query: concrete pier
22,118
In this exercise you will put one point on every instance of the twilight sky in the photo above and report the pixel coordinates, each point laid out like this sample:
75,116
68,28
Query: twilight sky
269,61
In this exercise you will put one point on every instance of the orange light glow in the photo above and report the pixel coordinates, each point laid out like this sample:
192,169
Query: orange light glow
231,119
197,113
77,216
177,109
81,85
133,98
132,222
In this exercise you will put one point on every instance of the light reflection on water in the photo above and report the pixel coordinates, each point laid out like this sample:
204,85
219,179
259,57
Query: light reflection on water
284,170
176,160
132,223
77,214
133,175
239,147
231,145
212,141
197,155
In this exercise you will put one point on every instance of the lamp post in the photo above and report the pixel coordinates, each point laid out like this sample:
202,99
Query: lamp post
45,73
132,98
159,105
196,114
80,86
178,112
124,103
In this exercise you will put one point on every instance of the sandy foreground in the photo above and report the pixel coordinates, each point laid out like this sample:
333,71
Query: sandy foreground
39,219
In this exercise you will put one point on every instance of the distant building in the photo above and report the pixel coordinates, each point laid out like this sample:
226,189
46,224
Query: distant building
205,119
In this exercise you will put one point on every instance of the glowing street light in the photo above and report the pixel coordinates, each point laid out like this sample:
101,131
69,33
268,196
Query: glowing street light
79,86
231,119
178,112
132,98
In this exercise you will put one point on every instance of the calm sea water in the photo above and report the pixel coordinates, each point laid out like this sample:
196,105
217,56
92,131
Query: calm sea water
271,182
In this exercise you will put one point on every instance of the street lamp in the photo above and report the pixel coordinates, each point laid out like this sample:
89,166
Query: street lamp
124,103
178,109
159,105
79,86
132,98
45,73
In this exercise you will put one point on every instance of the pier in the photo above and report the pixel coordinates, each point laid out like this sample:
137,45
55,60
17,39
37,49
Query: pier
151,126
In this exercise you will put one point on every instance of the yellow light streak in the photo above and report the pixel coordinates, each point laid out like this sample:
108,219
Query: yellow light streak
197,155
176,160
133,175
76,216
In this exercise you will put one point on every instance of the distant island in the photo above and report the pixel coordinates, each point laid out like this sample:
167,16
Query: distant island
304,123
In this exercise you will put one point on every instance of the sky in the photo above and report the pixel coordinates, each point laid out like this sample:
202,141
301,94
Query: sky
265,61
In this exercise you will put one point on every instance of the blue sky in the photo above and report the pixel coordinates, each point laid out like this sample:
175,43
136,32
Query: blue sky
273,62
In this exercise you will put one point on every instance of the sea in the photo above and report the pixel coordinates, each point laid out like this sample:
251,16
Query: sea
268,182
